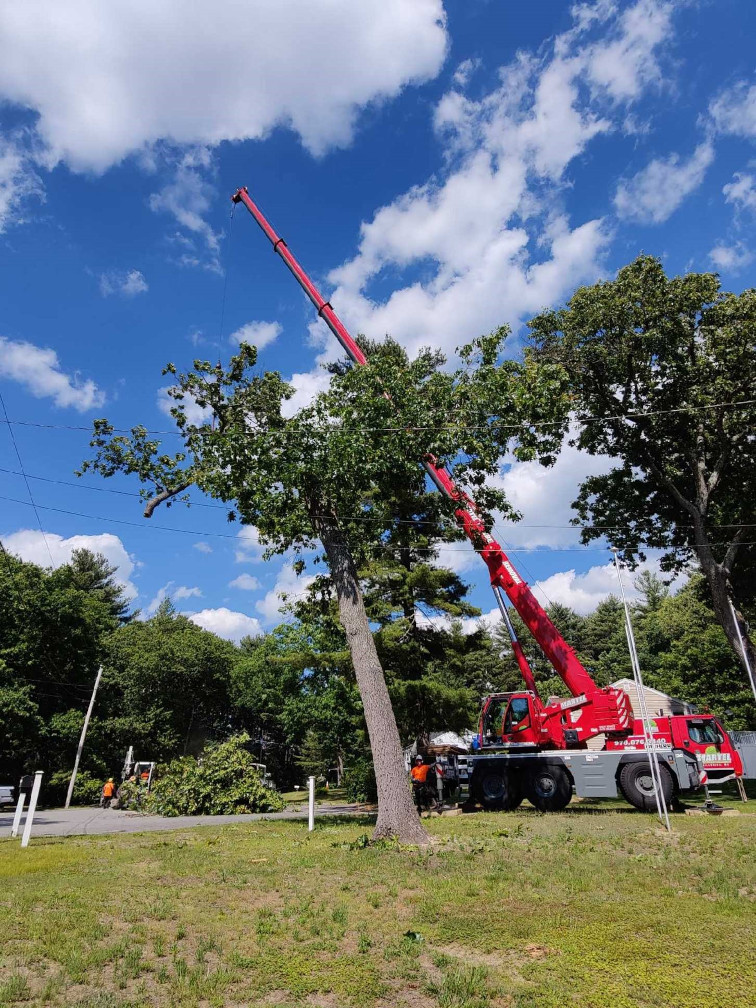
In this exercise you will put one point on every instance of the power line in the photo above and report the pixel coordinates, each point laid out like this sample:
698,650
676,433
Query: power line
285,431
360,518
388,548
26,481
110,490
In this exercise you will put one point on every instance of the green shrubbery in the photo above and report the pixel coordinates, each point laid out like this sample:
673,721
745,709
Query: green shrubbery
87,789
222,781
359,781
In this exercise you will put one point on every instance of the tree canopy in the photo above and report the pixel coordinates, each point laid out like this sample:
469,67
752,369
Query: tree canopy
337,473
661,374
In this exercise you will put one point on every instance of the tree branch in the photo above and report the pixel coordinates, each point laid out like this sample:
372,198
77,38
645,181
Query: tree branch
732,549
164,495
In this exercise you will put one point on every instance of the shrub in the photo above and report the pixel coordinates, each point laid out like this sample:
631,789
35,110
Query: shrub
221,781
359,781
87,789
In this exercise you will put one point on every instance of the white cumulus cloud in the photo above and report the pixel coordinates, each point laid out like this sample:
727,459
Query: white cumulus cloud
288,587
106,80
39,371
543,497
248,549
657,190
259,334
731,257
127,283
187,198
489,230
583,592
175,594
202,547
226,623
734,110
195,414
33,545
18,181
245,582
741,192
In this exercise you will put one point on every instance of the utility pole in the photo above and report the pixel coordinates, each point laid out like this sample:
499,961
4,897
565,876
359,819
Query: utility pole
751,678
648,737
83,736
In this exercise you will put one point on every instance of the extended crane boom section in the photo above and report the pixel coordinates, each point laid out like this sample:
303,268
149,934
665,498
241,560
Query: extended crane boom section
597,709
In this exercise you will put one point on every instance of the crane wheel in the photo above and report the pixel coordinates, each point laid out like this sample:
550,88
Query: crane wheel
549,788
637,786
496,790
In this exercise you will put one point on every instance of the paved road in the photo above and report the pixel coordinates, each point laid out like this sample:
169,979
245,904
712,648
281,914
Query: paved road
86,821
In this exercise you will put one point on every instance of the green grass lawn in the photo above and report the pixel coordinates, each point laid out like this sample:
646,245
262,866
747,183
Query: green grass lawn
595,908
333,796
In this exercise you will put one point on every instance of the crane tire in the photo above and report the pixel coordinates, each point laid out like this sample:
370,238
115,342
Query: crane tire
636,785
549,788
496,789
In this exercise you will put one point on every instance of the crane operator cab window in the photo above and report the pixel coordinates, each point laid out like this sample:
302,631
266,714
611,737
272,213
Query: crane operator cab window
518,715
492,723
704,733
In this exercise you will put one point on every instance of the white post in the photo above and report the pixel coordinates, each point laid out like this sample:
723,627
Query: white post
648,737
32,808
19,812
743,651
81,740
311,804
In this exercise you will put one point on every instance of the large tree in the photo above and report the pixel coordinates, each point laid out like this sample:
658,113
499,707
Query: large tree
313,479
662,371
53,635
165,689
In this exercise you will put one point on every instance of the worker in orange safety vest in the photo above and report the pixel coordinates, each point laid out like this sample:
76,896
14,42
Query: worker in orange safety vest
108,793
419,772
423,789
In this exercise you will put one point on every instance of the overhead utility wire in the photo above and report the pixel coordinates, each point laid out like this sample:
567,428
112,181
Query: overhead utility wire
395,549
26,480
362,518
341,517
401,429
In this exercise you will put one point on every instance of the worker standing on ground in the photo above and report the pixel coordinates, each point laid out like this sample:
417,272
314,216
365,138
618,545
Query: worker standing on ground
108,793
419,774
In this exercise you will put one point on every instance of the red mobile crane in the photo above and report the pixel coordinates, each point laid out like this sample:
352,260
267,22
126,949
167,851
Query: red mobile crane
527,747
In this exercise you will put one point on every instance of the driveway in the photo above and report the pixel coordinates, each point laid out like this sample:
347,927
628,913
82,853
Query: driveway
89,821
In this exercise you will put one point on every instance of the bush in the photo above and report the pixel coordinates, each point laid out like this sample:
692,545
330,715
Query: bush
359,781
87,790
222,781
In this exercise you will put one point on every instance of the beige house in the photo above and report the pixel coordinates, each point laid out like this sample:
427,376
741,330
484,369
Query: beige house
659,704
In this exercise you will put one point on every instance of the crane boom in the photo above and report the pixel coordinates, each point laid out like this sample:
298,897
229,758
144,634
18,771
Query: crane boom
502,572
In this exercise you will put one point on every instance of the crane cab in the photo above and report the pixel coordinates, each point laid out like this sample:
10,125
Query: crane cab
509,720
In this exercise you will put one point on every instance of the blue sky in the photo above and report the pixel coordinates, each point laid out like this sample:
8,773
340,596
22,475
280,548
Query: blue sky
439,168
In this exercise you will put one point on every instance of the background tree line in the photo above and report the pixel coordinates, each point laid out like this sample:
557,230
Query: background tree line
169,686
652,372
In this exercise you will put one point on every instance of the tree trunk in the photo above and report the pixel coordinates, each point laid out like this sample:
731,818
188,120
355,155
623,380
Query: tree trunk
397,815
721,597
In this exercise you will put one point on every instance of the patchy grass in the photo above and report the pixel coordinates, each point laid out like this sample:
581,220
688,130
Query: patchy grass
332,796
595,908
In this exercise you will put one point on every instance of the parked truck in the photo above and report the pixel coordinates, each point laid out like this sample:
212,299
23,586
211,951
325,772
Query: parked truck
528,748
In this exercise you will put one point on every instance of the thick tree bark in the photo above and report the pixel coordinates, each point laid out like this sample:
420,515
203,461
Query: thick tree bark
717,574
721,595
397,815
